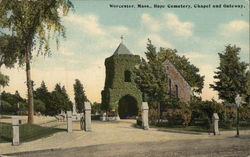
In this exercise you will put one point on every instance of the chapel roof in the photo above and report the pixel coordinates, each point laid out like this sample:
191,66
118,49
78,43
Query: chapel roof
122,50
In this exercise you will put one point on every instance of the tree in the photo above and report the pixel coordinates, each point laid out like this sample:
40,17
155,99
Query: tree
67,105
152,79
4,79
247,96
96,108
8,56
80,96
43,95
231,75
28,22
183,65
39,106
60,101
12,103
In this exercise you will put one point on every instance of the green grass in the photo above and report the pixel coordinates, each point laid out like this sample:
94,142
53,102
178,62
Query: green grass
28,132
5,132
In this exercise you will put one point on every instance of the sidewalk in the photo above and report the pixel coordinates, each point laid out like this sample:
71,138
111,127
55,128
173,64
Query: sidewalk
106,133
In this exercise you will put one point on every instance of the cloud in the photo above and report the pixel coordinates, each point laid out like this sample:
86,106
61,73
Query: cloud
88,23
156,40
207,92
150,23
120,29
66,48
233,28
195,55
172,23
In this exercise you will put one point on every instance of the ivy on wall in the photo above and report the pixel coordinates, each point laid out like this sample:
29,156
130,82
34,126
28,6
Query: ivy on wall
115,85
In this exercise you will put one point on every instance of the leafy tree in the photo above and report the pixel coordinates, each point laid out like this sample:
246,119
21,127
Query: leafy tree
12,103
183,65
60,101
4,79
80,96
8,56
152,79
39,106
231,75
96,108
67,103
43,95
28,22
247,96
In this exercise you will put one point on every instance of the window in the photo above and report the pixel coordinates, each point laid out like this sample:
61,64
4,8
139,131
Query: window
177,92
127,76
169,86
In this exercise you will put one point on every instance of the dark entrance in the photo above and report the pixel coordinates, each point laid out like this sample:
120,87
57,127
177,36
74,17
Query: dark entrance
127,107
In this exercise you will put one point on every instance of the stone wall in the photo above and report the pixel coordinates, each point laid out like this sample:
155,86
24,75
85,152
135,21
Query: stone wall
178,83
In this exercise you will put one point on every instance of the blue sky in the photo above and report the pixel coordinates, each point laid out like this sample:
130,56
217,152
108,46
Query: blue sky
94,29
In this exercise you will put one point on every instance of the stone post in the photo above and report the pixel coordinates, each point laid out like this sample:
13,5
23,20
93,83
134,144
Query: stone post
15,131
103,117
87,118
69,121
216,124
144,111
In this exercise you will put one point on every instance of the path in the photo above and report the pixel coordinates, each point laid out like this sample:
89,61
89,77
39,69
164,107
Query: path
107,133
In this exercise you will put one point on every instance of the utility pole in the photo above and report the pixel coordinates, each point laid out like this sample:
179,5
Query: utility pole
238,102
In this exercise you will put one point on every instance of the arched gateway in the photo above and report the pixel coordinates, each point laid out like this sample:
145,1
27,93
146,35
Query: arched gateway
120,93
127,107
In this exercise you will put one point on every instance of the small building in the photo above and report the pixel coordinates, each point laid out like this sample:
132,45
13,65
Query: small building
177,85
120,92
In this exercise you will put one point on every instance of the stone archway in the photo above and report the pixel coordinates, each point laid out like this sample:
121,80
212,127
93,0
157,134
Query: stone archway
127,107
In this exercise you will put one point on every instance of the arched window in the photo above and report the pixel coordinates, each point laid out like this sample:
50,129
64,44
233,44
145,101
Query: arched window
169,86
127,76
177,91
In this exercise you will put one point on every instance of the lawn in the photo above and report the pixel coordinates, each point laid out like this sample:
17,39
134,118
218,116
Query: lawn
28,132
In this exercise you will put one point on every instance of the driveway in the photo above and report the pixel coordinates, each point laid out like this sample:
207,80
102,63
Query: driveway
122,133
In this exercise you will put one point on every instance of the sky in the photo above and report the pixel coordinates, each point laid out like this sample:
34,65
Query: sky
94,29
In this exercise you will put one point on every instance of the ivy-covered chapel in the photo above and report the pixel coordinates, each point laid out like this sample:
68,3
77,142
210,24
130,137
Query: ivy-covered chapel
120,93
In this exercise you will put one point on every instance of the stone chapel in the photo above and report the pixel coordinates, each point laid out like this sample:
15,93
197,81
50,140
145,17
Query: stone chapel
120,92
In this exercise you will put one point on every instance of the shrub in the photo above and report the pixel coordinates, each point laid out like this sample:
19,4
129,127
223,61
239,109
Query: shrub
139,121
181,115
244,112
173,116
186,114
153,115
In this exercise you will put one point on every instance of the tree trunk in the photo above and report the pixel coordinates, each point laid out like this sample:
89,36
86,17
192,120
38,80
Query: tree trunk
159,113
237,123
29,86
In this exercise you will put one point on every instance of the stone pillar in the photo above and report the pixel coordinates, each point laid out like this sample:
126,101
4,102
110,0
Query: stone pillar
15,131
144,111
103,117
69,121
74,109
216,124
87,118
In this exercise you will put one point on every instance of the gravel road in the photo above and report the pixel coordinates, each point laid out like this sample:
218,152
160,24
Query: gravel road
229,147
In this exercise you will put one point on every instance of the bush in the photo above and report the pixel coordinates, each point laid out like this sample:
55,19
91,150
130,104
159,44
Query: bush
139,121
186,114
153,116
227,117
244,112
173,116
181,115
